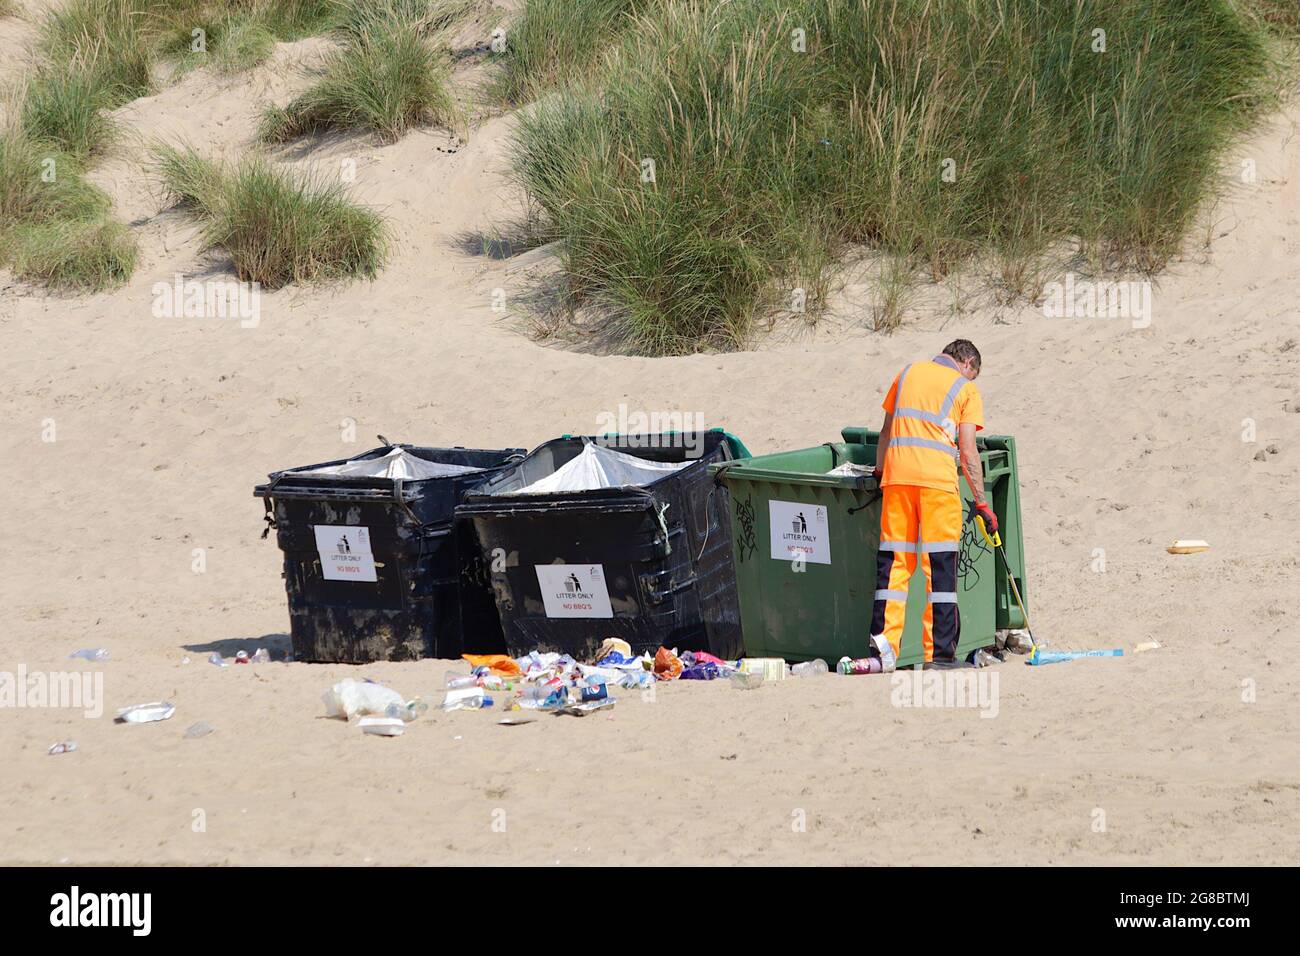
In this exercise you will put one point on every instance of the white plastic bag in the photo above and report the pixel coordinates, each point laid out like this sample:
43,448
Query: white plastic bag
349,698
600,467
398,463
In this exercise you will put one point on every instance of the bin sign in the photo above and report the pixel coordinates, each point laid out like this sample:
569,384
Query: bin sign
574,590
345,553
798,529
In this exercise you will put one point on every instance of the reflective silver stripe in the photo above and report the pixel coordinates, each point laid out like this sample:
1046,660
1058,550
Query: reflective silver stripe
943,597
931,417
891,595
932,546
898,546
907,442
951,397
898,392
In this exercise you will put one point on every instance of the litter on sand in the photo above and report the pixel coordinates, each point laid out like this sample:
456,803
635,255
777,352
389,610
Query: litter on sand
146,713
352,698
1188,546
1040,656
382,726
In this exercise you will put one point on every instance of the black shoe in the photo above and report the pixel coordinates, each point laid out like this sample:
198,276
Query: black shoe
944,664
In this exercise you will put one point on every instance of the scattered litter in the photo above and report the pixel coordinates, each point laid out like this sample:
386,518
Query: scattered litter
512,721
407,712
216,658
261,656
1040,656
241,657
746,680
382,726
813,668
63,747
668,666
185,660
1146,646
352,698
146,713
772,668
860,665
201,729
1016,640
496,663
590,707
91,654
1188,546
613,645
466,698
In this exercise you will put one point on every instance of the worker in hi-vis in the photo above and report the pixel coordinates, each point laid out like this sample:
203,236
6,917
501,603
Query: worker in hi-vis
932,413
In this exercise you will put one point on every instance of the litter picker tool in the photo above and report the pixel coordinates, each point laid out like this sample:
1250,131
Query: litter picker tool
995,540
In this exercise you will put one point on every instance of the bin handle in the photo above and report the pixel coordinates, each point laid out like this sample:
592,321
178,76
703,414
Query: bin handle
875,496
269,517
400,499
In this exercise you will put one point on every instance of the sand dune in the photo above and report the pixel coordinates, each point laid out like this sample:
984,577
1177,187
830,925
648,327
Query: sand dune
1128,438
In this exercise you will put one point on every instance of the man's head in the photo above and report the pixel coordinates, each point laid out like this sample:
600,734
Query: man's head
966,355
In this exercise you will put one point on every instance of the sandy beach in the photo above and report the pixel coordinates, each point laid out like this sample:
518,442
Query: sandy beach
1128,438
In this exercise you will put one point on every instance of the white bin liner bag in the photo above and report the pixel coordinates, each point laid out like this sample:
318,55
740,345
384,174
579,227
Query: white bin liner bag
398,463
600,467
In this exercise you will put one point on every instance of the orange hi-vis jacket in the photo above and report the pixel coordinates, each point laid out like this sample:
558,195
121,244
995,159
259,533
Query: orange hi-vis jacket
928,401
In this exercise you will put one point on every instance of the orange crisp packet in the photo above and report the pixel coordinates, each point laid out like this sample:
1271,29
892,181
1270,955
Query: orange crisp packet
668,666
496,663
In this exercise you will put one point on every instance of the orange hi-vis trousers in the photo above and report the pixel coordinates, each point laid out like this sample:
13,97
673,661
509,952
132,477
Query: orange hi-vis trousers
925,524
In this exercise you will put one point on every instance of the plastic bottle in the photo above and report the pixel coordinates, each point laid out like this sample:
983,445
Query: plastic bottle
888,659
466,698
406,712
261,656
456,680
216,658
810,668
91,654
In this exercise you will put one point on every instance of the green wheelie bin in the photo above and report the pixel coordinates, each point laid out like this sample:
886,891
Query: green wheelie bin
804,543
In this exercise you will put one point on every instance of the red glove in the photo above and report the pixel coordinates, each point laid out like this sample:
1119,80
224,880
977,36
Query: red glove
990,519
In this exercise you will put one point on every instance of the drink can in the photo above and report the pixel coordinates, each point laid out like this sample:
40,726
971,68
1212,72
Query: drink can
860,665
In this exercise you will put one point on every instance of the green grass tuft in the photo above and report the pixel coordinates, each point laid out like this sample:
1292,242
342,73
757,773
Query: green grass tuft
72,255
54,226
769,160
387,79
278,226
